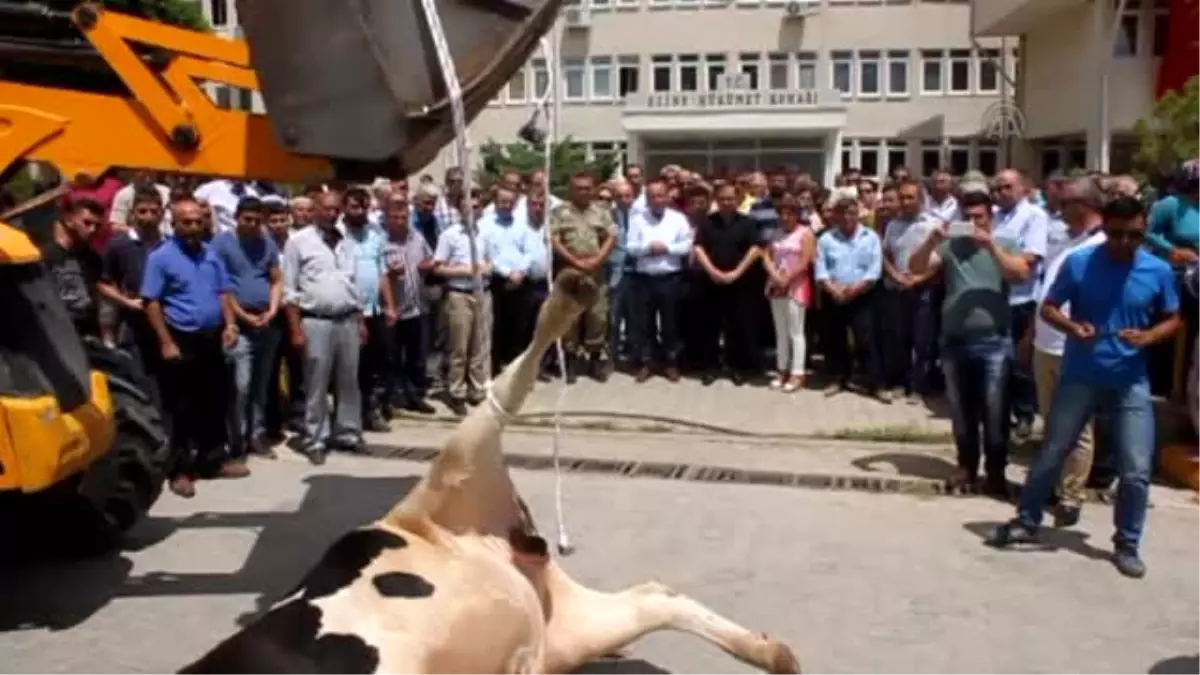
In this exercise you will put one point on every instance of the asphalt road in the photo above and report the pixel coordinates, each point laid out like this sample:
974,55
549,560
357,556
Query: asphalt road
854,582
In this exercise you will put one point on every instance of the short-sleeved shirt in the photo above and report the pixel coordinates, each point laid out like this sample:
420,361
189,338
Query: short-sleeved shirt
582,232
977,296
1027,225
1111,295
369,242
726,240
124,263
404,257
188,283
901,237
1173,221
454,249
75,272
249,262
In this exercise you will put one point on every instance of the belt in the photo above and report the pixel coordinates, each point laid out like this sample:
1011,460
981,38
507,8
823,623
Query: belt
486,289
305,314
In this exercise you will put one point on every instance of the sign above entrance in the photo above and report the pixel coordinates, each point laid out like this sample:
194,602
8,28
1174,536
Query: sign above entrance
731,99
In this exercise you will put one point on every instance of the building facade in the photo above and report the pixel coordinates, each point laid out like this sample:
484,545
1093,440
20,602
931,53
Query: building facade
727,85
1088,73
730,85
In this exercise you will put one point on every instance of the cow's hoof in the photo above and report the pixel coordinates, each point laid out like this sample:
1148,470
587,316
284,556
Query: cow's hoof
780,658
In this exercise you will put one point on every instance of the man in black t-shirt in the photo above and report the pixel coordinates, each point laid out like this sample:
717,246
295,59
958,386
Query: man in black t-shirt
73,265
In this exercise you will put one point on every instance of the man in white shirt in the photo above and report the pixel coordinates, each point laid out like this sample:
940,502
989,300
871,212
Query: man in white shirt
660,239
123,201
1082,201
909,307
222,196
940,202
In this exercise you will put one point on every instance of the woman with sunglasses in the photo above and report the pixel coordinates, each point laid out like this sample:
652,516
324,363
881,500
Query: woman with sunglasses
788,288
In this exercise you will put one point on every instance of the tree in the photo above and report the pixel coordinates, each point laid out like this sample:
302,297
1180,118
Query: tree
567,157
1168,136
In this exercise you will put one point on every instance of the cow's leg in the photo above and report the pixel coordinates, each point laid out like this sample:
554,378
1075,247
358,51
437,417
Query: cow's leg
586,624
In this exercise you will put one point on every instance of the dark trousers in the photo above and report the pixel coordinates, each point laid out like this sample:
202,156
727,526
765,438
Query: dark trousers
656,299
195,394
728,311
285,404
908,337
690,320
373,363
408,348
620,324
1022,391
512,321
856,317
138,338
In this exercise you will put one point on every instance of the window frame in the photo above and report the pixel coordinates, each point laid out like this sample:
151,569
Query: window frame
777,60
595,65
985,58
933,57
662,61
810,60
842,57
964,58
622,64
1130,15
715,65
523,76
862,59
754,61
898,57
569,67
538,68
692,61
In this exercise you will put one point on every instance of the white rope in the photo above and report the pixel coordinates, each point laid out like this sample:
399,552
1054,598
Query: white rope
463,150
564,539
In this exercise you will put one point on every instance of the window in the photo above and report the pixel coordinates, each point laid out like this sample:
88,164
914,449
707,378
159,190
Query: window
218,13
989,71
1076,156
988,161
868,73
1161,27
599,4
689,72
714,66
518,86
868,158
1126,42
960,158
628,74
842,71
778,72
224,98
847,157
660,4
629,4
931,71
897,72
660,73
960,71
897,157
574,79
602,77
749,65
1051,160
541,78
931,157
806,71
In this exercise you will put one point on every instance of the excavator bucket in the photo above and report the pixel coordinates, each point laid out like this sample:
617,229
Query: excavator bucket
325,62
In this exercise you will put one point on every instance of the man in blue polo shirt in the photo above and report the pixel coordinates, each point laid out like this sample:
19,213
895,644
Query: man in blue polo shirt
252,261
1115,291
183,287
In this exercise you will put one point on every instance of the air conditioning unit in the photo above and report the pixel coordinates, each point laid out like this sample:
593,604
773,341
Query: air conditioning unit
796,10
578,17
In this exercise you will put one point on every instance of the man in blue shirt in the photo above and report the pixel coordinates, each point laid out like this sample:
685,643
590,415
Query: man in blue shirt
369,243
620,269
186,293
252,261
848,265
508,234
1115,290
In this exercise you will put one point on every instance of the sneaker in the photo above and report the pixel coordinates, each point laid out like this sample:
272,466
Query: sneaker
314,453
1128,563
793,384
776,382
1066,516
1012,532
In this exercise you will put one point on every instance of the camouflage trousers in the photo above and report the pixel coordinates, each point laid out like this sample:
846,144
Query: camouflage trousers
589,335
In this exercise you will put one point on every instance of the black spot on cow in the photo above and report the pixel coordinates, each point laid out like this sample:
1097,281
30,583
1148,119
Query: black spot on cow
284,640
402,585
345,560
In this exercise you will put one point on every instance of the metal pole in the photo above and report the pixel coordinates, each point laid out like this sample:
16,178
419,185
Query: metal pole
556,82
1105,56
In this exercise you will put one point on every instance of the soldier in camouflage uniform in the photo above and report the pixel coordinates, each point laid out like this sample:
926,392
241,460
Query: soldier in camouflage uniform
583,236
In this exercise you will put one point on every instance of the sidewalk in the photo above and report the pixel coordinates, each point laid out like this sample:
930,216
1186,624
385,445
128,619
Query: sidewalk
659,405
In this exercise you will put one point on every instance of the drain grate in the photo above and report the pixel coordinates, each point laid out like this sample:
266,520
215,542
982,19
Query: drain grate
696,473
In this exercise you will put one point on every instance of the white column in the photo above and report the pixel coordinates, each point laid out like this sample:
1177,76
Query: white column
833,156
1098,136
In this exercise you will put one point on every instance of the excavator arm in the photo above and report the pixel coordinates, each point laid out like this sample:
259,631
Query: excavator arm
352,86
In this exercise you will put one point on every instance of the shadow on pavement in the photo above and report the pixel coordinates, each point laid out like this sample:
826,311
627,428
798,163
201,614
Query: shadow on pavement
60,594
1049,539
913,465
1177,665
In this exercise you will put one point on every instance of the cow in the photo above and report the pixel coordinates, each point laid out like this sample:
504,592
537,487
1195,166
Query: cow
456,579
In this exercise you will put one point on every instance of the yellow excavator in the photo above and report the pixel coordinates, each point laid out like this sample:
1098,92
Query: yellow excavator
354,90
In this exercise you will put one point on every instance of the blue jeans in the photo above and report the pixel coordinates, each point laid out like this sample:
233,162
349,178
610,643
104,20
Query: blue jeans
1022,389
1131,417
618,314
252,358
908,337
976,373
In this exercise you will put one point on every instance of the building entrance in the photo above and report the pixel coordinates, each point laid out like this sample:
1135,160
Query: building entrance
731,156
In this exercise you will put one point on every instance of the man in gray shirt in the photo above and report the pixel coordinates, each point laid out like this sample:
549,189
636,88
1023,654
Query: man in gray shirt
326,322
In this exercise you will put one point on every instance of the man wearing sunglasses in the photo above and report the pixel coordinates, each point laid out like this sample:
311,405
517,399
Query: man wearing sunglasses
1116,290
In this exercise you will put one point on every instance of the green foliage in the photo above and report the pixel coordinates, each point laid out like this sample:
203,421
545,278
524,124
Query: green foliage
182,13
567,157
1168,136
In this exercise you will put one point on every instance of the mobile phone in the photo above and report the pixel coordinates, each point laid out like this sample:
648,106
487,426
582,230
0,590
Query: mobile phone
961,228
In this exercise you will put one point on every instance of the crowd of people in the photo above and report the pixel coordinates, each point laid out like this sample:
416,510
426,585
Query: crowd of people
256,308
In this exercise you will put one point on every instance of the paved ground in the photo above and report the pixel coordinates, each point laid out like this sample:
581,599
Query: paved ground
855,582
754,409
